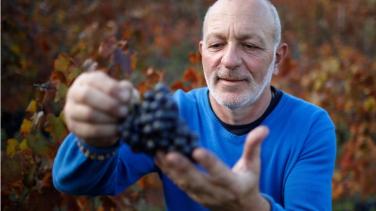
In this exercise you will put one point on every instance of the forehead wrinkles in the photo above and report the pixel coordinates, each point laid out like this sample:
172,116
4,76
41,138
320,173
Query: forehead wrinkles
231,26
249,16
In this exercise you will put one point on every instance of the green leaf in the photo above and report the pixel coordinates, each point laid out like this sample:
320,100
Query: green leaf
61,92
11,170
62,63
38,144
12,145
73,73
56,127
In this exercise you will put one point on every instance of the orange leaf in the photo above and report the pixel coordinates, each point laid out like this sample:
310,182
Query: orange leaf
32,107
26,126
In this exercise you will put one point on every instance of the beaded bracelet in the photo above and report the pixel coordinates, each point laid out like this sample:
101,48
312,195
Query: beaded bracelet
95,156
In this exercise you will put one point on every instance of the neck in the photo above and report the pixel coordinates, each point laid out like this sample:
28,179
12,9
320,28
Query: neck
243,115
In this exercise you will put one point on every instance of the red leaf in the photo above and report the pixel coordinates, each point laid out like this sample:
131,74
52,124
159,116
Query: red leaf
194,58
177,85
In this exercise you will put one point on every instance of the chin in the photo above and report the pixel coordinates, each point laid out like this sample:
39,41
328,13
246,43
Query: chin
234,101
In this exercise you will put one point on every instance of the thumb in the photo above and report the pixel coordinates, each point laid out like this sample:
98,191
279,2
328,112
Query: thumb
251,150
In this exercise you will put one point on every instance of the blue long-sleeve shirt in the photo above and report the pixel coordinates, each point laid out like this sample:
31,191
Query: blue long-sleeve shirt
297,158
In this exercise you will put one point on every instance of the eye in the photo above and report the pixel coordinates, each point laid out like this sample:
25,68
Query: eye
216,45
251,46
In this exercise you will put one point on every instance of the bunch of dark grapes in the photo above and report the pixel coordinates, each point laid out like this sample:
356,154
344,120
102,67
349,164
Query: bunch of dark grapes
154,124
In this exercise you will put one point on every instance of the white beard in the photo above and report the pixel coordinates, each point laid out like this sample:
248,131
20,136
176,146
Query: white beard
245,98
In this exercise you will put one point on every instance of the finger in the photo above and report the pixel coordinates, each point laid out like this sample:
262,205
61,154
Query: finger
125,91
178,162
101,81
199,186
121,91
84,113
93,131
160,160
218,172
195,183
184,173
253,141
135,96
98,100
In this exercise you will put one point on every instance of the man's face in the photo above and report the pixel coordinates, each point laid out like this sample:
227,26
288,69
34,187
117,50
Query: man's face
238,52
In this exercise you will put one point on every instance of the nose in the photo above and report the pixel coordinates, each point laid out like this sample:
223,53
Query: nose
231,59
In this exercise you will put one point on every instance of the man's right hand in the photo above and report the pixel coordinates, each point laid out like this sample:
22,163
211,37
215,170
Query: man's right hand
94,104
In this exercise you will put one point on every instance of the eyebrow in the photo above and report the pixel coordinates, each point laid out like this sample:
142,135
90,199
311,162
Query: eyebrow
215,35
241,37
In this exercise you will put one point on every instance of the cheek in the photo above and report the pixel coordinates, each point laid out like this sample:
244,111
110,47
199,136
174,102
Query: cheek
258,65
208,64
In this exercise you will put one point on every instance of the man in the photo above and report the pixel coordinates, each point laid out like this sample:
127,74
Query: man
288,166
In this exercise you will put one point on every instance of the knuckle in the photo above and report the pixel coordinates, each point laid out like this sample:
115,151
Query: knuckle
81,79
112,88
126,84
184,185
66,109
81,95
85,132
101,131
210,159
89,115
99,74
67,115
93,76
191,186
114,108
71,126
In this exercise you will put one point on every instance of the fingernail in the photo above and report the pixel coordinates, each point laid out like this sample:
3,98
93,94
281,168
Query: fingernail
175,159
123,110
124,95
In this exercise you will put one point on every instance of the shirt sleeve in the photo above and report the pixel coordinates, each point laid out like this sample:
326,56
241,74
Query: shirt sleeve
76,174
308,186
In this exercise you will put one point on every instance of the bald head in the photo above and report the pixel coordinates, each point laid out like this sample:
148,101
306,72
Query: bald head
261,11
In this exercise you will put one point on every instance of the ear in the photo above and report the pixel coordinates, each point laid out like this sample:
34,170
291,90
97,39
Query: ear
200,46
281,53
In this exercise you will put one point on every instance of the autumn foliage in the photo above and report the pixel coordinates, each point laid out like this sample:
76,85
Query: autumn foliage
47,44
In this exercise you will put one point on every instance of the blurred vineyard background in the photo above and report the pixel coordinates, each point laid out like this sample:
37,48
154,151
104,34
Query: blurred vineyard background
46,44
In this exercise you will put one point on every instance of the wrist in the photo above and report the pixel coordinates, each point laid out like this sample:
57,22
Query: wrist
100,143
256,203
97,153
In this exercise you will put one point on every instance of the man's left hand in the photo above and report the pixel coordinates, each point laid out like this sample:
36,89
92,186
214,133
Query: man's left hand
219,187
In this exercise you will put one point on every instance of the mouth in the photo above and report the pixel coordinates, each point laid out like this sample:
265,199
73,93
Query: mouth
231,80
